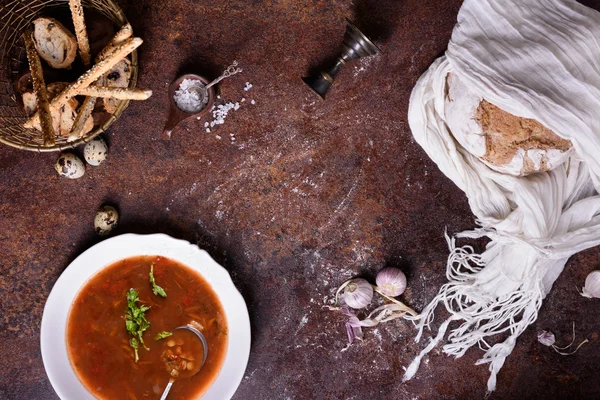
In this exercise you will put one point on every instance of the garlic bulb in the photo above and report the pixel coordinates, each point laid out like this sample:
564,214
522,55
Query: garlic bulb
391,281
358,293
546,338
592,285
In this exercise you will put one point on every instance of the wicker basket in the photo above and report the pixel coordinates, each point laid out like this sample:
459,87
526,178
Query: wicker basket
15,16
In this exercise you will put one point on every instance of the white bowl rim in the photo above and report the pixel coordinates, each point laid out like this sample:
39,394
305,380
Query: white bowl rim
90,262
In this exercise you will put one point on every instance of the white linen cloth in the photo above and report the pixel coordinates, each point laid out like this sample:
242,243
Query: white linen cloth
536,59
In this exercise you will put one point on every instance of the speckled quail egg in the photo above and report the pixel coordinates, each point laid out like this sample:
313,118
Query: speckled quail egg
106,220
69,166
95,152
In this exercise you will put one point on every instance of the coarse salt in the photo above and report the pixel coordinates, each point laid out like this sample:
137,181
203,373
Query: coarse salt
221,111
248,86
188,100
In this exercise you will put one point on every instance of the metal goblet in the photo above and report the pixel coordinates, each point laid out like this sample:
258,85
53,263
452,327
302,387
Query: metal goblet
355,45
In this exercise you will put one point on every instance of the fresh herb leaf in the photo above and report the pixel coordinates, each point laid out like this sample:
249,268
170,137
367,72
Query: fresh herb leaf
132,296
135,321
162,335
157,290
131,326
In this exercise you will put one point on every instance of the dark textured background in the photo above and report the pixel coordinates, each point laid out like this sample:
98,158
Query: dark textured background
308,194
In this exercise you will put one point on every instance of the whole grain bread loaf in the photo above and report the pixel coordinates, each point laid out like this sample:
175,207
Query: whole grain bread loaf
505,142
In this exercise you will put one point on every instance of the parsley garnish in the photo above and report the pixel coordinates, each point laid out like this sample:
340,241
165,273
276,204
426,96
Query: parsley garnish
135,321
162,335
157,290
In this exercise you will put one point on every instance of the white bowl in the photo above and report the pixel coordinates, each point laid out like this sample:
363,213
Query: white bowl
54,321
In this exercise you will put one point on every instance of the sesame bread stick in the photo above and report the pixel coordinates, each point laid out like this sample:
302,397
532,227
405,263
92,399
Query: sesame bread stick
80,31
116,92
123,34
88,105
39,87
82,116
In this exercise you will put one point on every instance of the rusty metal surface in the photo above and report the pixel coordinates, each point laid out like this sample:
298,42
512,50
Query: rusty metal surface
291,194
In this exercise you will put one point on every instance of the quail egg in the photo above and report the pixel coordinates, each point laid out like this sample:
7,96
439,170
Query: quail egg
95,152
106,220
69,166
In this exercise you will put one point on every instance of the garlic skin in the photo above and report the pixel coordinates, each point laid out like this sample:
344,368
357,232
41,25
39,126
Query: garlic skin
358,293
391,281
592,285
546,338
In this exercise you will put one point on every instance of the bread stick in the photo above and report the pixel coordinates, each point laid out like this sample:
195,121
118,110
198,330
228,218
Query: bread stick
80,31
88,105
39,87
123,34
84,51
116,92
91,75
82,116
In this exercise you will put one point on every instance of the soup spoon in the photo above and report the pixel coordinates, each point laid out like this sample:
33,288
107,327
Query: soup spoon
197,369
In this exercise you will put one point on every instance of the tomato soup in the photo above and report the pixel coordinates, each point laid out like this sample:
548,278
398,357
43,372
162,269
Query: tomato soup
122,311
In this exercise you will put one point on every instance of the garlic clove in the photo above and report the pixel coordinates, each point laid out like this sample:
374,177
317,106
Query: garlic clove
591,288
358,293
391,281
546,338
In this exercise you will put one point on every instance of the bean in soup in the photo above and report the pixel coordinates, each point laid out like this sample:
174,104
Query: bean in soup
109,323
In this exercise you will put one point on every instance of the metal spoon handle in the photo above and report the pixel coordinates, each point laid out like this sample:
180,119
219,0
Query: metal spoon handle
231,70
167,389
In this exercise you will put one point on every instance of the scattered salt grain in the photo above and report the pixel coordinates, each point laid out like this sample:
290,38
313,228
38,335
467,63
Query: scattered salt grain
248,86
252,101
205,124
187,99
243,99
218,137
220,113
208,130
